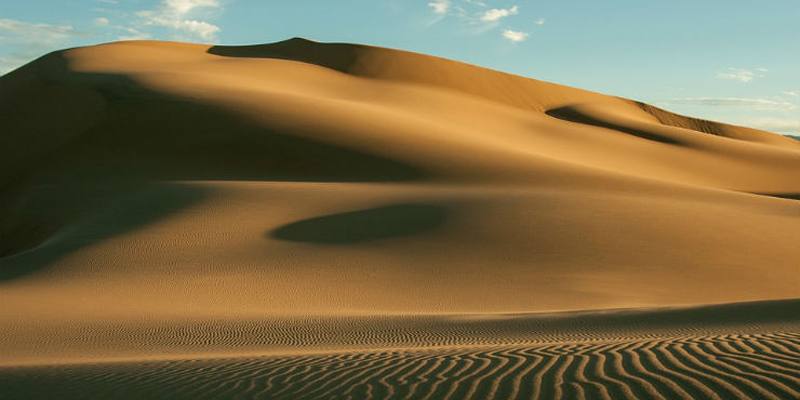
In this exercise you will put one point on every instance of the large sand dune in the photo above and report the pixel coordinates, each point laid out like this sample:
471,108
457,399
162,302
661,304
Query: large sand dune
283,214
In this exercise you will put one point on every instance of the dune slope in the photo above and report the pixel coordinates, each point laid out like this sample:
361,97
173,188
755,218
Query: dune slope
147,184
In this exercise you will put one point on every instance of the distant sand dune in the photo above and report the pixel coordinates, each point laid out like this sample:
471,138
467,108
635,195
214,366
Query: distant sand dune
303,219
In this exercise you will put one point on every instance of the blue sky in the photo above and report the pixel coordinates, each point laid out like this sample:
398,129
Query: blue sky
736,60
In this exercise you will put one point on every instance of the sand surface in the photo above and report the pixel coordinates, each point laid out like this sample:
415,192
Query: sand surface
309,220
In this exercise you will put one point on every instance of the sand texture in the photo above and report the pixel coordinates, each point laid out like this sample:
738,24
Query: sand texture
314,220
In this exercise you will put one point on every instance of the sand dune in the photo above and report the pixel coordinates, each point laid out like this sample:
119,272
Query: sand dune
176,202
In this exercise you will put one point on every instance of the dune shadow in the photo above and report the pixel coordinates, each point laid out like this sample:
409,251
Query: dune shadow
63,174
142,133
359,226
174,138
336,56
571,114
788,196
90,215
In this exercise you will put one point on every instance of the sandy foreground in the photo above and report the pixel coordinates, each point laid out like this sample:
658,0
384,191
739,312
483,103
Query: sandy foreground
309,220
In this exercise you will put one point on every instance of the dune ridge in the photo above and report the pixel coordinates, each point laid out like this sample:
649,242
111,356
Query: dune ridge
263,218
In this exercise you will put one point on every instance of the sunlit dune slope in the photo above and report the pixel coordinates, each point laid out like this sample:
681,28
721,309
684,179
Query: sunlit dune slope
149,179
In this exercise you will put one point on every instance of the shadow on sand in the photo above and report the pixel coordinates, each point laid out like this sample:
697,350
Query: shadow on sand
570,113
788,196
389,221
64,179
337,56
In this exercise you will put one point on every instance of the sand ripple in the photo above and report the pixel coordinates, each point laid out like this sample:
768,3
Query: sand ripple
754,366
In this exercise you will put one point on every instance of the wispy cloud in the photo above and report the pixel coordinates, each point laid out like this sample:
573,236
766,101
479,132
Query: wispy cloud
774,124
478,17
176,16
129,33
496,14
515,36
479,3
22,41
28,40
539,21
793,93
14,31
9,63
183,7
439,6
755,103
742,74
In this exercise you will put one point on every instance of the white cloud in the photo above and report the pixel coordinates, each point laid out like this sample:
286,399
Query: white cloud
793,93
497,14
783,125
478,3
515,36
755,103
439,6
101,21
21,41
194,28
132,34
8,64
539,21
741,74
183,7
21,31
174,15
